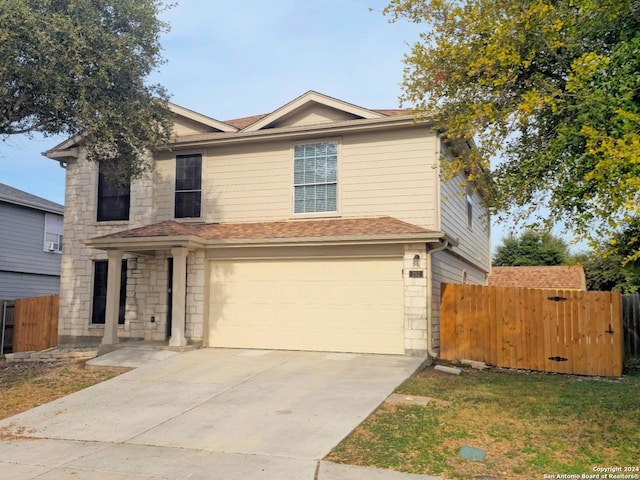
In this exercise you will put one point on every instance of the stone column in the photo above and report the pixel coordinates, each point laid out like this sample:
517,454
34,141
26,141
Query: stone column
112,311
178,294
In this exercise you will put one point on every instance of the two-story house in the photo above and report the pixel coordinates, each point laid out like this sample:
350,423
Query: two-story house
30,244
319,226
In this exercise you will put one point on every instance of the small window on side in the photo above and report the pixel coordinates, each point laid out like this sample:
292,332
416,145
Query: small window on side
53,233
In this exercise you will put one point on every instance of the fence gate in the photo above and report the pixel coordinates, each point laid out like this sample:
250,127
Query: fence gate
562,331
36,323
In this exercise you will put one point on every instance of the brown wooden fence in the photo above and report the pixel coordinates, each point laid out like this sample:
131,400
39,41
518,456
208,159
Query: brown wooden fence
35,323
560,331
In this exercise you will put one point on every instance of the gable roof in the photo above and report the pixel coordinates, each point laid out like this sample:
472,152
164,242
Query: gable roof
243,122
256,127
18,197
305,100
201,119
564,277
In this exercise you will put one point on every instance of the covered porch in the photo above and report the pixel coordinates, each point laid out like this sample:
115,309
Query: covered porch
146,254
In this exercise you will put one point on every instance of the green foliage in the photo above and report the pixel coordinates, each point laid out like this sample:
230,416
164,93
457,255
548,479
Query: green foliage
614,264
532,248
550,89
78,67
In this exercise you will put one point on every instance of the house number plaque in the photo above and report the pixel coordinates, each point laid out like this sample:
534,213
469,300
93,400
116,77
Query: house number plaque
416,274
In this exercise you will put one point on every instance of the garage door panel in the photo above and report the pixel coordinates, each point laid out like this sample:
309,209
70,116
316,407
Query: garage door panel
330,304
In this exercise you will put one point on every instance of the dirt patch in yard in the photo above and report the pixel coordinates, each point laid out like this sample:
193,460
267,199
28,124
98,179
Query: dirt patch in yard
25,385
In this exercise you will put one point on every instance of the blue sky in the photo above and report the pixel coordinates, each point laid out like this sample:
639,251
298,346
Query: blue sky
235,59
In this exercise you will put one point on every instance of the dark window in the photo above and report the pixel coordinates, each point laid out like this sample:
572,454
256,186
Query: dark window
188,201
113,198
101,268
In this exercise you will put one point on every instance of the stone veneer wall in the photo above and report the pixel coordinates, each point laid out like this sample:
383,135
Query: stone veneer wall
146,283
415,300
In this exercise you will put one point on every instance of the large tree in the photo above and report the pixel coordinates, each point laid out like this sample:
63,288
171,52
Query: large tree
614,263
531,248
549,90
79,67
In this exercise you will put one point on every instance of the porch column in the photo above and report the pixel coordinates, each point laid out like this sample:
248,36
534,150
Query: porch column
178,295
112,310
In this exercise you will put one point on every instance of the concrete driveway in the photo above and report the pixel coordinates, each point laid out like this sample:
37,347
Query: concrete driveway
206,414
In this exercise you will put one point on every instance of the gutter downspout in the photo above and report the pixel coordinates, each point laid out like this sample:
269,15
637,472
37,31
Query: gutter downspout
445,243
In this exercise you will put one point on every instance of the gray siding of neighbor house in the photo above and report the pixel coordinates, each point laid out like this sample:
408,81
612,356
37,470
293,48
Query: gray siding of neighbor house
25,285
26,270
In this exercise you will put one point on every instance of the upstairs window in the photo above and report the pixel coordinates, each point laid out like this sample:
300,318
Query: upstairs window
52,233
188,201
315,177
114,198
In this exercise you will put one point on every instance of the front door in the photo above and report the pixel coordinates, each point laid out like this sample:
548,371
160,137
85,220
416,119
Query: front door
169,294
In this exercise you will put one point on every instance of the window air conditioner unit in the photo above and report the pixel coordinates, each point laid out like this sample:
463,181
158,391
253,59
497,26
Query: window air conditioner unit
53,246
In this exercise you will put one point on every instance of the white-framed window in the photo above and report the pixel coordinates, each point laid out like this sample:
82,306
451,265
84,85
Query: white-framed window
53,233
315,177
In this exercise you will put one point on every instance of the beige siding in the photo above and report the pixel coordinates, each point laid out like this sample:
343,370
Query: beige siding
184,126
315,114
391,173
386,173
475,242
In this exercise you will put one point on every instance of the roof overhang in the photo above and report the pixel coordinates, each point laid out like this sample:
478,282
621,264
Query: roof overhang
146,245
297,132
149,245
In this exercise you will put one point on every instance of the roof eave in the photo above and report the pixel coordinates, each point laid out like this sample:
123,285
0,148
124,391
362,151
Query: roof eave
33,206
63,155
328,241
133,244
326,129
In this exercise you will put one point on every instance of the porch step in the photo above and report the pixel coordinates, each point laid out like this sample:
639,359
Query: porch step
145,345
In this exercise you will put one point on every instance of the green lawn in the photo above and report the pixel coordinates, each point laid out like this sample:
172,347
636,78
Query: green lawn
530,424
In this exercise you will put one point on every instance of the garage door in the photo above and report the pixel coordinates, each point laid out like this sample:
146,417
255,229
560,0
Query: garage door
340,305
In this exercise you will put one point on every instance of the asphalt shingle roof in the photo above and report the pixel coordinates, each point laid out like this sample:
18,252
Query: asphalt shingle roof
18,197
343,227
565,277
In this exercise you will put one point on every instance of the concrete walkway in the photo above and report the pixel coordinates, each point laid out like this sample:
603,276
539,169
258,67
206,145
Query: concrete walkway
206,414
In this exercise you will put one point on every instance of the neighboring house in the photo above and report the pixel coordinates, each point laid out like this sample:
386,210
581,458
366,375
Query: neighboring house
320,226
562,277
30,244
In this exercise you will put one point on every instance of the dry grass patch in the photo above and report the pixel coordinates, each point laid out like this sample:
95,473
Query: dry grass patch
24,385
528,423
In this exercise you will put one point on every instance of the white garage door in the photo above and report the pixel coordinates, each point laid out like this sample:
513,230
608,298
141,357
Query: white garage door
339,305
